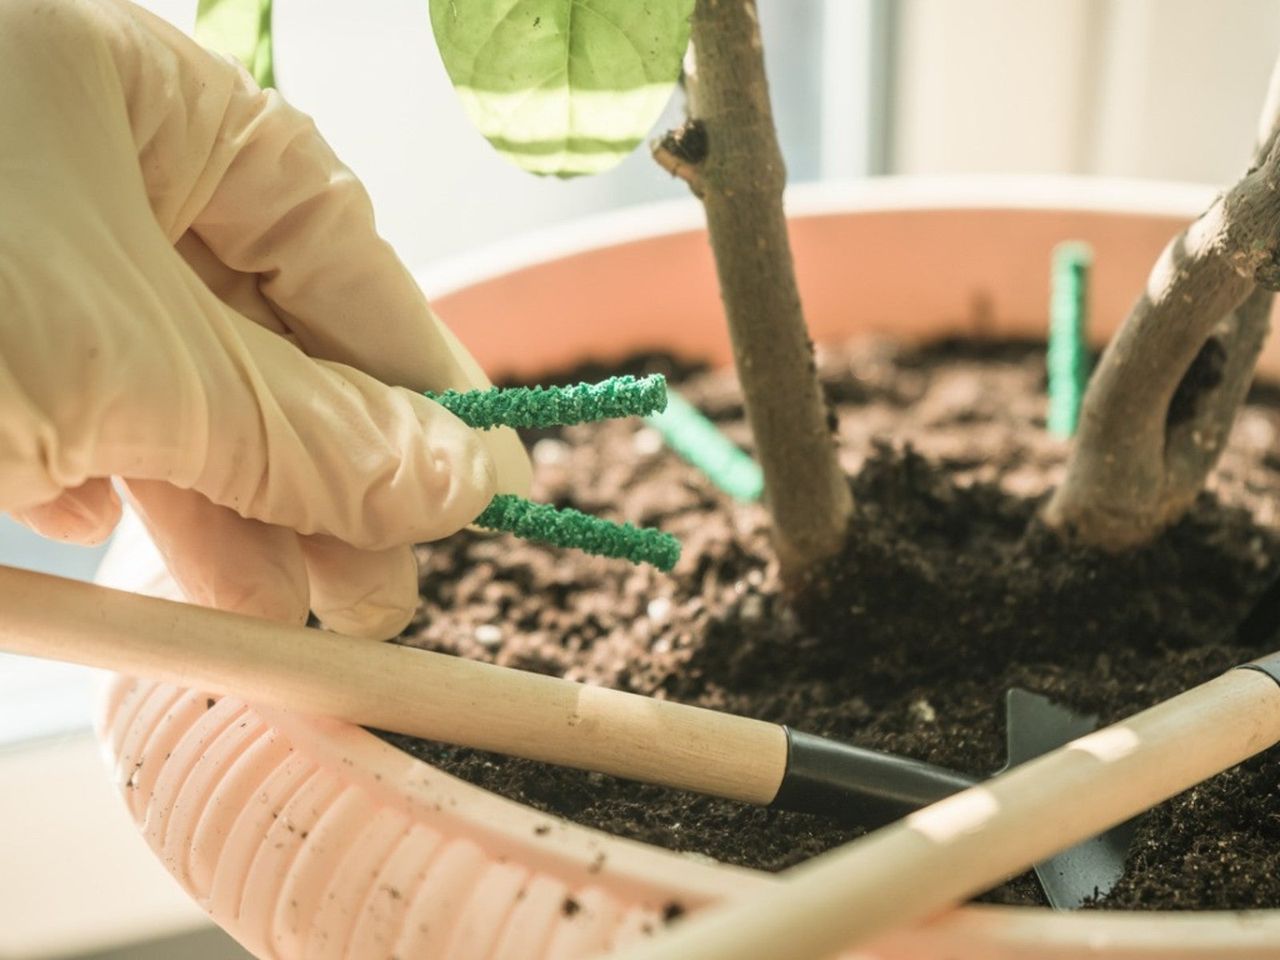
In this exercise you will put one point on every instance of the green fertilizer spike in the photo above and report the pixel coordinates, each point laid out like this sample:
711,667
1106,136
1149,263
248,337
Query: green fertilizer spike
1068,358
699,441
571,528
556,406
560,406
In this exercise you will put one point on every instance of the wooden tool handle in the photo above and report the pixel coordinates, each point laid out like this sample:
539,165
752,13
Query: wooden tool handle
971,841
391,687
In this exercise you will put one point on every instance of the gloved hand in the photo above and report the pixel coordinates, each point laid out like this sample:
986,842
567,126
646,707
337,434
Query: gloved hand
193,299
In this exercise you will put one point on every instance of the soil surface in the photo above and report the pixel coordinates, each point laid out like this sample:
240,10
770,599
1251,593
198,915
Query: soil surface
949,594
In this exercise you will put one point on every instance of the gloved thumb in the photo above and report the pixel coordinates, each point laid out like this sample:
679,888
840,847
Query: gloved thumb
322,448
83,515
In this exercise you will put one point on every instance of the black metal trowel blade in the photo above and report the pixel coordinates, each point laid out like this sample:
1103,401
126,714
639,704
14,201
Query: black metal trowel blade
1035,726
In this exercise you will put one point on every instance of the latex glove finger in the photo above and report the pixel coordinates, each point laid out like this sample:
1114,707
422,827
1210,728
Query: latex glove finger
237,290
286,209
220,559
357,592
209,400
240,291
362,593
171,385
269,198
85,514
510,459
275,202
322,448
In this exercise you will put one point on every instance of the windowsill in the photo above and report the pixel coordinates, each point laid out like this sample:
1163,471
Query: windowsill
77,878
41,699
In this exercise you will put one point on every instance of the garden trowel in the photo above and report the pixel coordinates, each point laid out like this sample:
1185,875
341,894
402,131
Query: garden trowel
838,780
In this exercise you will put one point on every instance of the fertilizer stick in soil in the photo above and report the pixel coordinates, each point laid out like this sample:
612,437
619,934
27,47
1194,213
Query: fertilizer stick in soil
1068,357
560,406
701,443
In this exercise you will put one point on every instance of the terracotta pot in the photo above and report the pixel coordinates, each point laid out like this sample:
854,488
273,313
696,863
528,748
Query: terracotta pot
308,839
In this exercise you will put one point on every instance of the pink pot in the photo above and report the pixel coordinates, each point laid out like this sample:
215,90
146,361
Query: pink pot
308,839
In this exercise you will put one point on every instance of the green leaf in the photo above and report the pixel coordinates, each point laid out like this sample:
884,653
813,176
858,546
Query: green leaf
563,87
240,29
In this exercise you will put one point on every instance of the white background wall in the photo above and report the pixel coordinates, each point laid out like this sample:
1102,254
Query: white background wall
370,75
1146,88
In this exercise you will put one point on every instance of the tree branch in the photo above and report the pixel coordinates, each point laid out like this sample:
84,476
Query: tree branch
1159,408
680,151
1193,446
728,152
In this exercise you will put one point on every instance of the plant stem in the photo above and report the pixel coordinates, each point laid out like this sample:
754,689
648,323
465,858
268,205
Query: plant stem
729,154
1159,408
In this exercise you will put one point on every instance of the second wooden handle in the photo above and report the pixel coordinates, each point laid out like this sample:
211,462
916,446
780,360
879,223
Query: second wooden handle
969,842
392,687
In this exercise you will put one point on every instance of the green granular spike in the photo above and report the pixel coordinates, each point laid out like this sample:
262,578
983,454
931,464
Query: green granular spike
556,406
543,523
1068,357
699,441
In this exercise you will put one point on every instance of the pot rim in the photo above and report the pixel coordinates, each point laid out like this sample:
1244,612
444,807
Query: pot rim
884,194
389,778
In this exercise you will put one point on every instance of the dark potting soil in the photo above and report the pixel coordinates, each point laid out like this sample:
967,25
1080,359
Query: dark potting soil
949,593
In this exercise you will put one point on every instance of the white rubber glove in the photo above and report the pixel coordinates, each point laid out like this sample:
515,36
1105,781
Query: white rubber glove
193,298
